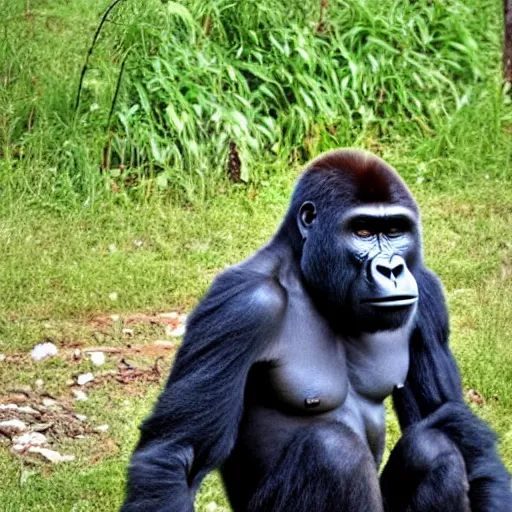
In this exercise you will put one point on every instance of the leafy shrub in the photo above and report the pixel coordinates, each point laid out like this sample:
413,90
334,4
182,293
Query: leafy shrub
268,77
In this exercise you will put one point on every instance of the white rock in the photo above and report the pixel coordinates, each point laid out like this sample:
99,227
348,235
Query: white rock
43,350
51,455
115,318
26,409
179,331
128,332
3,357
8,407
49,402
101,428
80,417
77,353
80,436
97,358
112,296
28,439
39,383
84,378
79,394
10,427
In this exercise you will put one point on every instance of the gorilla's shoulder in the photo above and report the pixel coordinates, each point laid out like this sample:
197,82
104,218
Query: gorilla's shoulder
244,293
255,290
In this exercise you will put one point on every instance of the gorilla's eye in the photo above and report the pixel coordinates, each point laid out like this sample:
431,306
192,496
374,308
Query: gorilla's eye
394,231
364,233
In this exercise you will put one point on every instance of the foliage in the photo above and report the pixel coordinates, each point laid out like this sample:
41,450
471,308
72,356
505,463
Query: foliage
275,82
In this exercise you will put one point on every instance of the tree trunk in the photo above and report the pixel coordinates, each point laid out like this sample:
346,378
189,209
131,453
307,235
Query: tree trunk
507,42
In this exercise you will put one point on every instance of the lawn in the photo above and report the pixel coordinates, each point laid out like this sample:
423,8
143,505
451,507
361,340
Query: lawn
90,257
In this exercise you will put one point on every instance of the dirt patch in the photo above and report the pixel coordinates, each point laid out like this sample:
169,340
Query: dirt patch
106,322
34,412
127,373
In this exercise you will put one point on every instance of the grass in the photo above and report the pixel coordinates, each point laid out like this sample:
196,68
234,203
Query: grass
270,83
161,218
57,275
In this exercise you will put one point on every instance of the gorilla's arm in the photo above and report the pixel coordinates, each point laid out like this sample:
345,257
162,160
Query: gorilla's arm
432,396
193,426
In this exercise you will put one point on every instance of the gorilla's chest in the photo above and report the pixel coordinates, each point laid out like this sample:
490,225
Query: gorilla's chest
317,374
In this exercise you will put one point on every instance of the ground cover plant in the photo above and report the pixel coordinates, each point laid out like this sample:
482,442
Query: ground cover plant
130,207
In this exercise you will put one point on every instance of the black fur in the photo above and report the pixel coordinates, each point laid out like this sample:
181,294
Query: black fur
193,426
433,392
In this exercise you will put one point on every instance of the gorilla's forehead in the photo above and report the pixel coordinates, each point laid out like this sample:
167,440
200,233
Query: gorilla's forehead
358,177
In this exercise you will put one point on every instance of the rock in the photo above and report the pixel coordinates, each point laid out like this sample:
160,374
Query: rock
12,427
79,394
40,427
112,296
3,357
128,332
97,358
81,417
179,331
77,354
8,407
21,443
101,428
26,409
49,402
39,383
84,379
115,318
43,350
51,455
18,398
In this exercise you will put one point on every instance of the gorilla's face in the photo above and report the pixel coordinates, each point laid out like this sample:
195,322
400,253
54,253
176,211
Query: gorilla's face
360,264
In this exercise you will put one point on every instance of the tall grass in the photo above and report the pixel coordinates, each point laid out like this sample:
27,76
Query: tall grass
272,82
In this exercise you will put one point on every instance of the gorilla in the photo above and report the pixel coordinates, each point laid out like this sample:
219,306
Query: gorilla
287,360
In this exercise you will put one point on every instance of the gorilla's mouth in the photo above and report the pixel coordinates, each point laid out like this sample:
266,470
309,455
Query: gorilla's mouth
391,301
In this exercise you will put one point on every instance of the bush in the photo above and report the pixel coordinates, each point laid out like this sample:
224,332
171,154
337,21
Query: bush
267,78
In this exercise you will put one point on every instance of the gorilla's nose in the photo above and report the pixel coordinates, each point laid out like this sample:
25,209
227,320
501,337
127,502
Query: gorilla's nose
390,270
392,283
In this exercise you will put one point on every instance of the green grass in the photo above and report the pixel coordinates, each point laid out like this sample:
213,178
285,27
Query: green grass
283,91
56,275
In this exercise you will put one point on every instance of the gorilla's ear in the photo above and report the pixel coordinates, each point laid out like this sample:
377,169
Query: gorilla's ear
306,217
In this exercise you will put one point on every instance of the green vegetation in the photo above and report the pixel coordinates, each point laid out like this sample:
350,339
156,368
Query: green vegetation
416,82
